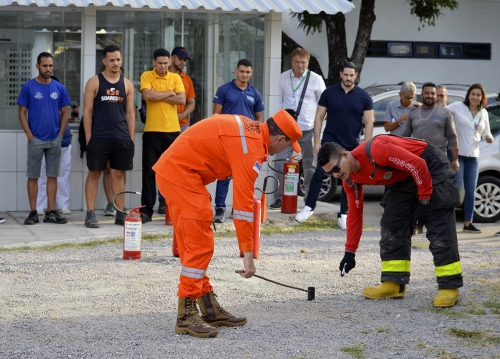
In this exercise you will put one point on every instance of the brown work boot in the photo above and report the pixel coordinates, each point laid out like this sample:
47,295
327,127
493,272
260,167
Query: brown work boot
189,321
387,289
214,314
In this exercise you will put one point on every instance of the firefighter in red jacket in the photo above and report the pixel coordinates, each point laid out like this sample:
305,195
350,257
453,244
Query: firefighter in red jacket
219,147
421,188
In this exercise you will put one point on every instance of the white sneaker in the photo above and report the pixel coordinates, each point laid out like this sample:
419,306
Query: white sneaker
303,215
40,211
342,221
65,211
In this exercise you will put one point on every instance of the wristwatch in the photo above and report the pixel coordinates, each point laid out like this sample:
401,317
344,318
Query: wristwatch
425,201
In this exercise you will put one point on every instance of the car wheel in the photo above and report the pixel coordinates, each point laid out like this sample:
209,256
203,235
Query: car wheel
487,200
328,187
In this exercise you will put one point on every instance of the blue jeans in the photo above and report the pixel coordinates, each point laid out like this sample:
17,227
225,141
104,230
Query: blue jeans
467,175
221,189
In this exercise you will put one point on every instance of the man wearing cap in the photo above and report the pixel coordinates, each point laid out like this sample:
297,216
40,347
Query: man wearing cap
177,64
219,147
179,58
163,91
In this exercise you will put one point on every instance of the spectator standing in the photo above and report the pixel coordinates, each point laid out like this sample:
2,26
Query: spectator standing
292,84
63,194
236,97
472,122
163,91
420,185
222,146
397,111
179,58
347,108
434,124
109,122
43,113
442,95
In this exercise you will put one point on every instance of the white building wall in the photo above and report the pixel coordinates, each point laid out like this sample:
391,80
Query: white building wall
474,21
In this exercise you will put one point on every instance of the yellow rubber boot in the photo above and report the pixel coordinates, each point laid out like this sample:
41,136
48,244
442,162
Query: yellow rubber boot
446,298
386,290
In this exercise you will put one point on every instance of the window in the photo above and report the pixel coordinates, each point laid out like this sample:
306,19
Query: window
453,51
477,51
422,49
215,43
402,49
25,34
431,50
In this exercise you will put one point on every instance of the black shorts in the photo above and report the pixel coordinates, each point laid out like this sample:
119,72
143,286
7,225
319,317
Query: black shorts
119,154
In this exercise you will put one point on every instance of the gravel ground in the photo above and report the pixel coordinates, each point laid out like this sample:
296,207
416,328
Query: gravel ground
89,303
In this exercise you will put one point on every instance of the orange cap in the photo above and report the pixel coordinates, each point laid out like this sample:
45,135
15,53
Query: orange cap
289,126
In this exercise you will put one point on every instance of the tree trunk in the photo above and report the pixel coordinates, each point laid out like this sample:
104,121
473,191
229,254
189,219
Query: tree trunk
366,19
337,46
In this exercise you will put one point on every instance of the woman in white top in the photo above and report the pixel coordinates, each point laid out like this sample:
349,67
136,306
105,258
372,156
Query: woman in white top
471,123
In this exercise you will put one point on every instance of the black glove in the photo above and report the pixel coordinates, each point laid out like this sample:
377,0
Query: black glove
347,263
421,213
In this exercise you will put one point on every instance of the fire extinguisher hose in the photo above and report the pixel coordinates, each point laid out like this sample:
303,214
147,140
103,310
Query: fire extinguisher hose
136,209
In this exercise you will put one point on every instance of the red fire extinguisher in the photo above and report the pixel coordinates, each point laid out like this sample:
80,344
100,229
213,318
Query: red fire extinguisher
289,187
256,228
132,235
132,230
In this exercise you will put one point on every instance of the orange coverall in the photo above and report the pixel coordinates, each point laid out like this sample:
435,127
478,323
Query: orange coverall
218,147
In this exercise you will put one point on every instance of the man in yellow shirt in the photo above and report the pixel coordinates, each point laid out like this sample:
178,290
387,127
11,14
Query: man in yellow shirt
162,91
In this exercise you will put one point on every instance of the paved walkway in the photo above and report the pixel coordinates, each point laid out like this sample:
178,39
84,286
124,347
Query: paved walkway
15,234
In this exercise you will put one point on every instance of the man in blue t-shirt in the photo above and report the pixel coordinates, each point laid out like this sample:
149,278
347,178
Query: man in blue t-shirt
43,114
236,97
347,108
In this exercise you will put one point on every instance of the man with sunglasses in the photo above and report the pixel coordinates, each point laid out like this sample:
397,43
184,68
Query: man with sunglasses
420,186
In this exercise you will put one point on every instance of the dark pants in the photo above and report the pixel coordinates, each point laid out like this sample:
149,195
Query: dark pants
221,190
153,146
317,183
400,201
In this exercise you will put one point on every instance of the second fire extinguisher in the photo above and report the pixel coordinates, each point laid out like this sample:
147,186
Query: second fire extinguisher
289,187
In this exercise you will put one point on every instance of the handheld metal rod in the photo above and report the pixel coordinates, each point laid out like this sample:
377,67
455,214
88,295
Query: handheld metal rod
311,290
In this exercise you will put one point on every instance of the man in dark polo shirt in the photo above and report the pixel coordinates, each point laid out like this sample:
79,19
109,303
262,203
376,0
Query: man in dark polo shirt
347,108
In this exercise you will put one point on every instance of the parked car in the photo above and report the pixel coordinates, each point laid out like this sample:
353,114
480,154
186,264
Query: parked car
487,206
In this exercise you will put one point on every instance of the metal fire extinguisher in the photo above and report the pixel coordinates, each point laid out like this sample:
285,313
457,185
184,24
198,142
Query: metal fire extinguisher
289,187
132,230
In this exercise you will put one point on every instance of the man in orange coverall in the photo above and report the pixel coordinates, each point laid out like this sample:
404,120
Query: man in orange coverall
218,148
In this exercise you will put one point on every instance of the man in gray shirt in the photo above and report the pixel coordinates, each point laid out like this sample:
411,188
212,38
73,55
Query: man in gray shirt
434,124
397,111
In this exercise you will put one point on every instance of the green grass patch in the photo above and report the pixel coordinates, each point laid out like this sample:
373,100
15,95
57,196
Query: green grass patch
449,313
89,244
477,311
383,330
355,351
465,333
494,307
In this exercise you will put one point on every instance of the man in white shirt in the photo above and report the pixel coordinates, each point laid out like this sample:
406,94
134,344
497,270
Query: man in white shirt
290,87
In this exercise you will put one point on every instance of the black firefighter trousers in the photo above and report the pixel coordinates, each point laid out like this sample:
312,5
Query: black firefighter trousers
400,201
